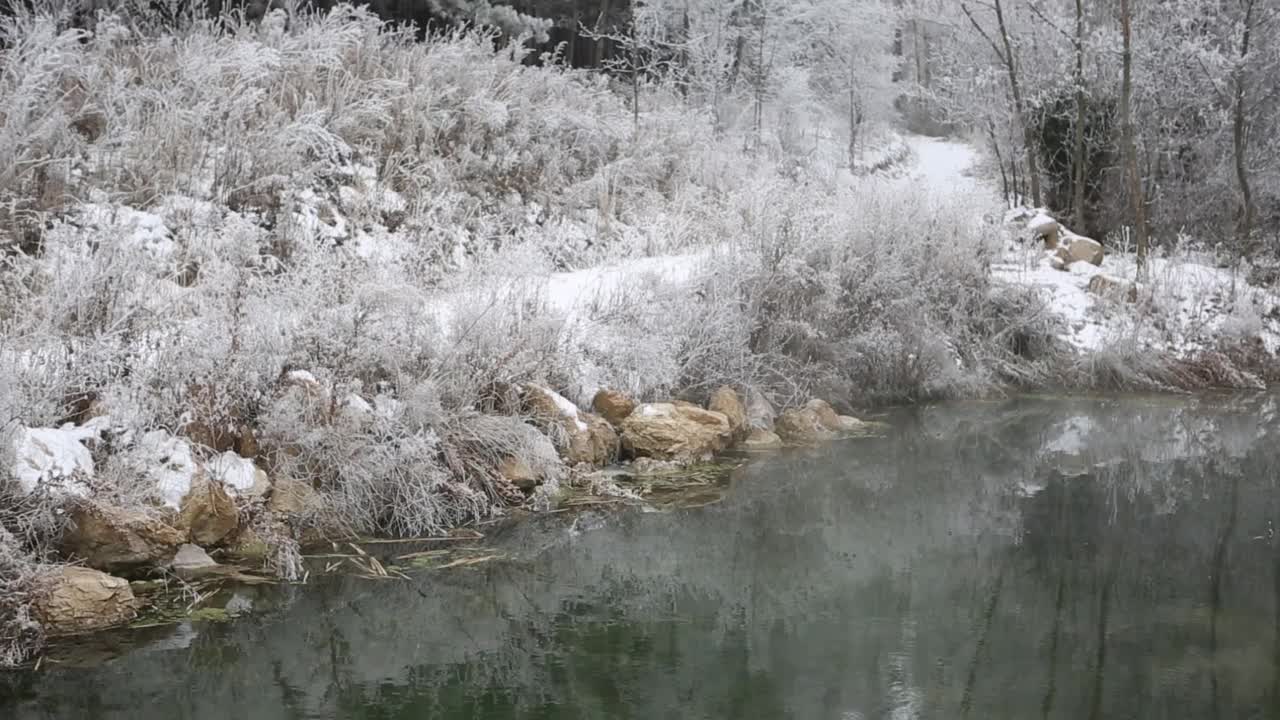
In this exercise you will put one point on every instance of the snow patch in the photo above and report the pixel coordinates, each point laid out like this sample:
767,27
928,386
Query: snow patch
168,465
143,230
239,474
54,459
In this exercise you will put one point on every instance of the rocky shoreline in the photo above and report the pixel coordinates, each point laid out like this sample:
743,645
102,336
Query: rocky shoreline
256,525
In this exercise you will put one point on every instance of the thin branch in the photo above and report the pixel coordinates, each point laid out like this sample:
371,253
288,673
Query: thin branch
999,53
1040,14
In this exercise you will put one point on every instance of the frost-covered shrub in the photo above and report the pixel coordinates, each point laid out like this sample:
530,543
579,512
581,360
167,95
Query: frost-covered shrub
399,467
21,636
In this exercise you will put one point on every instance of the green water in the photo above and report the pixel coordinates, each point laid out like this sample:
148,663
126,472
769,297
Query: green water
1025,559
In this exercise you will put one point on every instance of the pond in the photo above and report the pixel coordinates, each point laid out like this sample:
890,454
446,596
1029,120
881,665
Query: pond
1029,558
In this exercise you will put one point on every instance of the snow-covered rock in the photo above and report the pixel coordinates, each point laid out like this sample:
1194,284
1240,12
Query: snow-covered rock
1044,227
240,476
54,459
1082,249
167,464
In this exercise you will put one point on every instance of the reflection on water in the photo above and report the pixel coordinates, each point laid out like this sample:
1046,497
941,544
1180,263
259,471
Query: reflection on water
1021,559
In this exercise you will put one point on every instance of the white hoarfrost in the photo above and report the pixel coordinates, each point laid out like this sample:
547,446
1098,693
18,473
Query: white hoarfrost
55,460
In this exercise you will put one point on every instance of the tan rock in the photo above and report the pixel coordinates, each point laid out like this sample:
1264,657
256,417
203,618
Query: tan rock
75,600
761,440
111,538
826,414
804,426
760,412
1083,249
580,437
518,473
597,445
547,405
191,561
613,406
725,401
675,432
208,515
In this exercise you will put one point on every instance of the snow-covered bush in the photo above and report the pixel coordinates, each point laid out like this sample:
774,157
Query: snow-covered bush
20,635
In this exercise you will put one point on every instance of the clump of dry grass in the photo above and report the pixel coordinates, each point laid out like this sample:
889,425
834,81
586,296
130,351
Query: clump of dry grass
21,636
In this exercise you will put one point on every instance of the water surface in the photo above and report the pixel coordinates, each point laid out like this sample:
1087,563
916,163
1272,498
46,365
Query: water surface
1034,558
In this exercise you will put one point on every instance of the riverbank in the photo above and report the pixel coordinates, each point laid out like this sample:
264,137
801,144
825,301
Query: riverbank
1022,510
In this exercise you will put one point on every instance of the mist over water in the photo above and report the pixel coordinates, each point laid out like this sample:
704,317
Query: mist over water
1031,558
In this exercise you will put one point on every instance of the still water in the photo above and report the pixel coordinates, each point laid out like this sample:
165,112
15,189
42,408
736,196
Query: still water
1082,558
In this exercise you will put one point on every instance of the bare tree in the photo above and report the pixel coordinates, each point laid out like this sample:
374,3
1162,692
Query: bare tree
1133,178
1004,51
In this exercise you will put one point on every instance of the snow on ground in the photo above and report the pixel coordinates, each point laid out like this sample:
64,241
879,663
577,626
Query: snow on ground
575,291
1186,304
942,167
1190,302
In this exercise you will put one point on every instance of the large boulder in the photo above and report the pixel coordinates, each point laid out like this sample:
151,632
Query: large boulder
802,426
826,414
1044,228
114,539
191,561
75,600
817,421
518,473
761,440
725,401
239,475
580,437
208,515
597,445
1083,249
613,405
760,412
675,432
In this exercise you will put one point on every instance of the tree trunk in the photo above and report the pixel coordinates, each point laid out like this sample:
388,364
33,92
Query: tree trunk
995,148
760,79
855,125
1137,199
598,55
1240,137
1077,155
1028,135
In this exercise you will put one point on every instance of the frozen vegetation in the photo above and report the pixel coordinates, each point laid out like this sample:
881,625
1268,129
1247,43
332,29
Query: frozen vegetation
344,281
